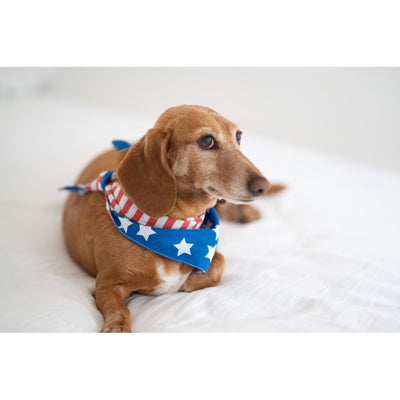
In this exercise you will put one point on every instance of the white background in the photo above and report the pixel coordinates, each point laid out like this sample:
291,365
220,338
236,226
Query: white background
341,32
352,112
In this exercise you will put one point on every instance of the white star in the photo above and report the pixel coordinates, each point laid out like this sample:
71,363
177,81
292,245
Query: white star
216,230
211,252
125,223
145,231
183,247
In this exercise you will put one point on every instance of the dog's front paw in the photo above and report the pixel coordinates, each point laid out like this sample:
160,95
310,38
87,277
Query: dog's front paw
237,212
111,327
248,213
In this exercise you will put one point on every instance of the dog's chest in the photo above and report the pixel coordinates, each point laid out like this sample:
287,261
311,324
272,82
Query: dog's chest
171,281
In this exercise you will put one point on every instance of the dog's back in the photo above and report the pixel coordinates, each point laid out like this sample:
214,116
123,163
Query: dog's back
84,215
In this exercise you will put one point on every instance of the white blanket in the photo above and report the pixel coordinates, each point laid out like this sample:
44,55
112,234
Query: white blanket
324,257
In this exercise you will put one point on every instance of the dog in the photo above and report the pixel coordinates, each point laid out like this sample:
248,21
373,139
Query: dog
189,162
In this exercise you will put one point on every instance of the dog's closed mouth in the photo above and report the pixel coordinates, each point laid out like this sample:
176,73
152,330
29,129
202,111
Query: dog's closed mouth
220,196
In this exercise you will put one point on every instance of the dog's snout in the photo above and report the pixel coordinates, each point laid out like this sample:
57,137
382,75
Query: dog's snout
258,186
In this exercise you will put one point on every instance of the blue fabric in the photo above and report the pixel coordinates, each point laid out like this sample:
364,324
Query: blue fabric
198,245
194,247
120,145
79,189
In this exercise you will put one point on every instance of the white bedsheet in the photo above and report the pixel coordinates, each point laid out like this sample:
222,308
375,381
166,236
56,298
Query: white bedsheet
324,257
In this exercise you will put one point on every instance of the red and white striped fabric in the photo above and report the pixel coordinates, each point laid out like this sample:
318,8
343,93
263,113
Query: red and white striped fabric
122,205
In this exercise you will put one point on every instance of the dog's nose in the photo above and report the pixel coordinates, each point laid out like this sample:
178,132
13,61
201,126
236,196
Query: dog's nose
259,186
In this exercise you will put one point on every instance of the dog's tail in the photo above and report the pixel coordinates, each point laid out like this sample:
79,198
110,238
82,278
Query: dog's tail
275,187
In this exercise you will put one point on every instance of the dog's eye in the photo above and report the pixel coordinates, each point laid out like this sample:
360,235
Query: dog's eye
207,142
238,137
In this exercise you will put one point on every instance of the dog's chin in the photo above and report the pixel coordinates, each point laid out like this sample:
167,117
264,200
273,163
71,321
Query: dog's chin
237,201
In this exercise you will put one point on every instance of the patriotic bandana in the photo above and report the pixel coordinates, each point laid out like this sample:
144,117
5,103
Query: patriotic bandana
192,241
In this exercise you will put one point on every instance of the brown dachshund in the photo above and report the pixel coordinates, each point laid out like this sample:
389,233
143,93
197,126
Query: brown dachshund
188,161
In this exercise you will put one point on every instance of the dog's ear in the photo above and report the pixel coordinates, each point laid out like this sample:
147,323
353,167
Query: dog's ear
145,175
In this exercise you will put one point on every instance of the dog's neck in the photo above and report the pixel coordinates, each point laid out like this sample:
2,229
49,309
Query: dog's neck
190,202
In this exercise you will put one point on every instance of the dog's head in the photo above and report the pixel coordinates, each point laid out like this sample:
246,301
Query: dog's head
190,159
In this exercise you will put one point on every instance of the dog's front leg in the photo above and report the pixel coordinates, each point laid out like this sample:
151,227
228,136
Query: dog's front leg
110,300
210,278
